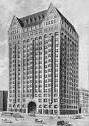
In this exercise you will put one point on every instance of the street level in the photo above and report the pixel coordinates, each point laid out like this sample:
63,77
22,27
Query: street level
30,121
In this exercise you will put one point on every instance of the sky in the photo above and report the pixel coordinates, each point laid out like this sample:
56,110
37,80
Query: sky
76,11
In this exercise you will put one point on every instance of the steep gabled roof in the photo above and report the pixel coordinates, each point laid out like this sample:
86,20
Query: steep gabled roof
65,19
33,19
37,18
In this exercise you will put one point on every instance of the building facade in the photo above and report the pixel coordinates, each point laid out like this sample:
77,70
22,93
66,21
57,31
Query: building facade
43,64
3,100
84,101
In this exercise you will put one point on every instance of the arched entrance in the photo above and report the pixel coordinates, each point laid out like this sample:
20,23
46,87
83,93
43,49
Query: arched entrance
31,107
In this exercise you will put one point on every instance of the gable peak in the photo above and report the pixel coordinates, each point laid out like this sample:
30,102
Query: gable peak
14,17
51,5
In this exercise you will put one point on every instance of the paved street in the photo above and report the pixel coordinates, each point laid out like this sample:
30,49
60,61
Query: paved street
81,122
30,121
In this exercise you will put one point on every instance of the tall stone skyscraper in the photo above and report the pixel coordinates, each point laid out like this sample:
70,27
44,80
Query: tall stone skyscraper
43,64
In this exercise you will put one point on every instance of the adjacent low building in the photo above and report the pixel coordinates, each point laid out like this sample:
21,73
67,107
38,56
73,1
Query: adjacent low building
83,101
3,100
